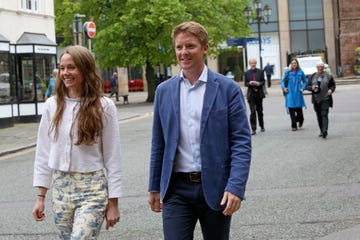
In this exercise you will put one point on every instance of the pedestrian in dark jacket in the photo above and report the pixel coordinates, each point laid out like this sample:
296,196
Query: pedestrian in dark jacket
114,86
322,85
254,80
269,70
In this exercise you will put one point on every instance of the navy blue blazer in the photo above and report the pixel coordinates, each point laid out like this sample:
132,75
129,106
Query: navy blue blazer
225,145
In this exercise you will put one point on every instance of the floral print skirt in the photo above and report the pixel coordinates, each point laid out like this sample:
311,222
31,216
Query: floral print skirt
79,203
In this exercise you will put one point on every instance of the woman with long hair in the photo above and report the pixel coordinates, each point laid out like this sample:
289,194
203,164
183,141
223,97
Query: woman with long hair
78,151
293,84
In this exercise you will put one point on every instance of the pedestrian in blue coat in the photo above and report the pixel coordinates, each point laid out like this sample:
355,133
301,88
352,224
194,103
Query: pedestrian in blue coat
293,84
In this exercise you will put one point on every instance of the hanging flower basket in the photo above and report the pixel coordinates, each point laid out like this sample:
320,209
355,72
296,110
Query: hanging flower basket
357,51
357,69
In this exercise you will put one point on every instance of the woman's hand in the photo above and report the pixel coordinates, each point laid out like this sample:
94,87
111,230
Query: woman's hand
38,210
112,213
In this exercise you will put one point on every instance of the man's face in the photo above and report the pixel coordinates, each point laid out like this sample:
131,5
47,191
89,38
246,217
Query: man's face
252,64
320,68
189,52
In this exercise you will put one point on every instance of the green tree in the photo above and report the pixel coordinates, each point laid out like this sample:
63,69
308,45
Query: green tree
64,16
138,32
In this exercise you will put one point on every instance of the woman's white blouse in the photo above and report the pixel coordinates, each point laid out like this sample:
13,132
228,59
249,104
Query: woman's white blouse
64,155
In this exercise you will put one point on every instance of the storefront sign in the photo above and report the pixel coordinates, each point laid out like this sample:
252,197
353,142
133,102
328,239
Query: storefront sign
4,47
44,49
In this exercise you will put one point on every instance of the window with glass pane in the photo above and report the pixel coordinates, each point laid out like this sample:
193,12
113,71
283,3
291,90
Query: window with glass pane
297,10
44,67
316,40
314,9
30,5
298,41
27,85
5,84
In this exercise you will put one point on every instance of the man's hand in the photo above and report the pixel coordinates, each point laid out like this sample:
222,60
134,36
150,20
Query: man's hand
254,83
233,203
154,201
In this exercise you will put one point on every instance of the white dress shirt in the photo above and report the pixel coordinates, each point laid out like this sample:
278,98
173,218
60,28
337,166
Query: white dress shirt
187,158
64,155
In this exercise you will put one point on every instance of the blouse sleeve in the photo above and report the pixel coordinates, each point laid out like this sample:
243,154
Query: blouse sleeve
42,171
111,148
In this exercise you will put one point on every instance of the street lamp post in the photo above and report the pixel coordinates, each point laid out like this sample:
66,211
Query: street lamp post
261,15
78,29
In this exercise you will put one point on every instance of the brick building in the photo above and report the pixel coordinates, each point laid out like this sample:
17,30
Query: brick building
349,34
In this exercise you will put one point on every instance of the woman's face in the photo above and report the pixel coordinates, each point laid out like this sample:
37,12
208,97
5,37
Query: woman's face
294,64
71,76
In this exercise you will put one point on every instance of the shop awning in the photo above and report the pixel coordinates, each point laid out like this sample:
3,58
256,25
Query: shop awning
3,39
35,43
4,44
35,38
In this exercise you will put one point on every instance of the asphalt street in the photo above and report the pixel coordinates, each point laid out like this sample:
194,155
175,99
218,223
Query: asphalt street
301,187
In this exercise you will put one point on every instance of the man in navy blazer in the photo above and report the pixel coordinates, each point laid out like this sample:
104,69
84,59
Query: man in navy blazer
201,144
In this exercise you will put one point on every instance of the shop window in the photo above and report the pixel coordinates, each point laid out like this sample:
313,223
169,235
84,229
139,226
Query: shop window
231,64
27,91
5,83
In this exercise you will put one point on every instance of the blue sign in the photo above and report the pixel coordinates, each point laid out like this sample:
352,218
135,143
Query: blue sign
231,42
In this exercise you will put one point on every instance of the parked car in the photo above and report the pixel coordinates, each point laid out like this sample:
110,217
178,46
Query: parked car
308,64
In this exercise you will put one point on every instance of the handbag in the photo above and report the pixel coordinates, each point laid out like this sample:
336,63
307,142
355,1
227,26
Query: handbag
286,82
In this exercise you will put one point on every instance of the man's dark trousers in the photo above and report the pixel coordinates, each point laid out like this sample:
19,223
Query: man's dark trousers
268,76
183,206
322,112
256,107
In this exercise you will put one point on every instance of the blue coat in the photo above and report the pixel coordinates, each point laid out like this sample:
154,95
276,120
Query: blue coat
51,87
225,146
296,82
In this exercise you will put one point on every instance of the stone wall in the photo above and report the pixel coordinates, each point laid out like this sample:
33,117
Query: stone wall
350,34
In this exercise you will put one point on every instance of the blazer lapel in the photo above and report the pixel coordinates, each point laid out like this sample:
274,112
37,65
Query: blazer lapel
175,98
209,98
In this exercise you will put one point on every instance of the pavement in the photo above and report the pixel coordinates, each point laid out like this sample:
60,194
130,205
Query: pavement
23,136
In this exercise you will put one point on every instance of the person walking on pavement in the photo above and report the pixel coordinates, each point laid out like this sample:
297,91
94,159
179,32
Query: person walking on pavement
293,85
201,144
254,81
269,71
114,86
50,90
78,151
322,85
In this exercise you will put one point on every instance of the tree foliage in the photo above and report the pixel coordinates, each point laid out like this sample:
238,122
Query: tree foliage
138,32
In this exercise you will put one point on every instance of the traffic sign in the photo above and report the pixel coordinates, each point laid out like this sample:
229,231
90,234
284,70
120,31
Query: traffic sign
90,29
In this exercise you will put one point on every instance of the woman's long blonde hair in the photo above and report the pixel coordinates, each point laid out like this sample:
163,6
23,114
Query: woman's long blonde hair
89,117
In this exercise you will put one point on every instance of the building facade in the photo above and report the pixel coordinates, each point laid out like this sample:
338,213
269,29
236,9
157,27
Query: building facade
27,58
329,28
347,33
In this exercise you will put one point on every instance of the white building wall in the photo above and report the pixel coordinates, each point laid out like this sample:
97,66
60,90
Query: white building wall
270,52
14,21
